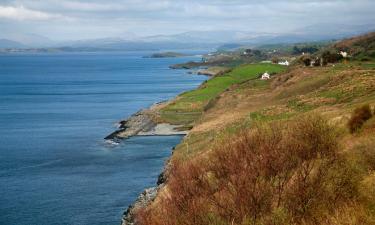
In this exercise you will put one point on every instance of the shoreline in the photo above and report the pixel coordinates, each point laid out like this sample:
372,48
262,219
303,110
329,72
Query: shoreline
144,123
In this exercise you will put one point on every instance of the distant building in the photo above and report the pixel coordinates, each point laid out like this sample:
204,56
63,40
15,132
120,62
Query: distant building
286,63
265,76
344,54
247,52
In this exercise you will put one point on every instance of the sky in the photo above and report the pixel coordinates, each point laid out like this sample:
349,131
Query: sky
84,19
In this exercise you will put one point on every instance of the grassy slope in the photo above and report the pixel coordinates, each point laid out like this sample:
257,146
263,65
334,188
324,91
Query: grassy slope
242,101
238,100
189,106
332,91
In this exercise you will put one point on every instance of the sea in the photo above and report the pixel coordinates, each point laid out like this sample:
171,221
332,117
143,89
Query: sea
55,110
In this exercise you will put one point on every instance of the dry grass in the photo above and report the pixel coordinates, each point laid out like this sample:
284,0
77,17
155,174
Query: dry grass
276,173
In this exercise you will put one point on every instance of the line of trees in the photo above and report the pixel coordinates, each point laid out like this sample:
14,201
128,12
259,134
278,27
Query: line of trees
322,59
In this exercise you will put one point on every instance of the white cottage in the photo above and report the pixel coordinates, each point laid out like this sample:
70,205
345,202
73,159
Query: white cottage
265,76
344,54
286,63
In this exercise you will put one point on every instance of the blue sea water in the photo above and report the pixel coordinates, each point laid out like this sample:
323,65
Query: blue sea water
55,110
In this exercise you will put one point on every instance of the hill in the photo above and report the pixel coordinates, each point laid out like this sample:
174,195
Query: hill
5,43
360,47
279,151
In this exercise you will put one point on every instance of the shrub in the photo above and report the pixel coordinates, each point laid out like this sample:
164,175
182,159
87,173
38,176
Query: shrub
317,62
275,173
329,57
359,117
306,60
275,60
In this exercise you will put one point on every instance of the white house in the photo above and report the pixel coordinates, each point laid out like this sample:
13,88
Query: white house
286,63
265,76
344,54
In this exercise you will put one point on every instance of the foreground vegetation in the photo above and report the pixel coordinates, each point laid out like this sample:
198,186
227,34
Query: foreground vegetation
297,149
277,173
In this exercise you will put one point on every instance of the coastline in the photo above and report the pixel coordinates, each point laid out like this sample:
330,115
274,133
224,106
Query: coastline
182,111
146,122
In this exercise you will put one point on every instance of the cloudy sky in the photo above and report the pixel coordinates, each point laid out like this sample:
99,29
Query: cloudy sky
82,19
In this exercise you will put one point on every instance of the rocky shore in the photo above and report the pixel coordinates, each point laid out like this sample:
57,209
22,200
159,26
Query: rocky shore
143,123
143,200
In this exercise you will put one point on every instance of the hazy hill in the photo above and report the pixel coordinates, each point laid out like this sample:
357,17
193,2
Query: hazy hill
5,43
196,39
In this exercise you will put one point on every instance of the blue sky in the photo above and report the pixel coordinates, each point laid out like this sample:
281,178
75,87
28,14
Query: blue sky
82,19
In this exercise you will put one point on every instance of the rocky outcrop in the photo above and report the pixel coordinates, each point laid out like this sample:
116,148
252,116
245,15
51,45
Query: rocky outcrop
143,200
138,122
143,123
146,197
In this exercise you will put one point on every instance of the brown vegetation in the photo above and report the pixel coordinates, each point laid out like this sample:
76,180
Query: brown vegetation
359,117
278,173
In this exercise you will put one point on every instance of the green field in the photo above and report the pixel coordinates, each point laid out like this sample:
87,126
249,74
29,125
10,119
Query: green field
189,105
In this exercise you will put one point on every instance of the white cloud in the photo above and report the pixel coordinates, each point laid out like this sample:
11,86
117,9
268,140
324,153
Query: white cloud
22,13
89,6
80,18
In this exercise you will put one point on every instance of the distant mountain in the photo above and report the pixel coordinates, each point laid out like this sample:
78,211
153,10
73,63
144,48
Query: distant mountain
197,37
29,40
154,43
5,43
208,40
312,33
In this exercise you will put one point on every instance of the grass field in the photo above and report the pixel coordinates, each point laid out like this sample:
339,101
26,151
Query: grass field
189,105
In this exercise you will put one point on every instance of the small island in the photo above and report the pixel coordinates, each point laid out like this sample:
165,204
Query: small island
166,55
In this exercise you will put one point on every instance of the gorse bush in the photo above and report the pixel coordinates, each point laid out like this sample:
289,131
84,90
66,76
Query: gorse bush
359,117
279,173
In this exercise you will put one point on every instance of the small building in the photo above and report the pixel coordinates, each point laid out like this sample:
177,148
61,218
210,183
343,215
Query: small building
285,63
247,52
265,76
344,54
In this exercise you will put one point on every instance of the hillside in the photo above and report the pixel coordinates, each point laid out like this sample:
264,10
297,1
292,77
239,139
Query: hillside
5,43
361,47
276,151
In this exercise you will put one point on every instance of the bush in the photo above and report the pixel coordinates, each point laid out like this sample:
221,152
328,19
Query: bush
306,60
329,57
278,173
359,117
317,62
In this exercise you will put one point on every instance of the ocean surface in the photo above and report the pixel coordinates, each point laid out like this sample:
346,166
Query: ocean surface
55,110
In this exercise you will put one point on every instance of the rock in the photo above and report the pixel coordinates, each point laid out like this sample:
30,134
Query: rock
161,178
143,200
138,122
